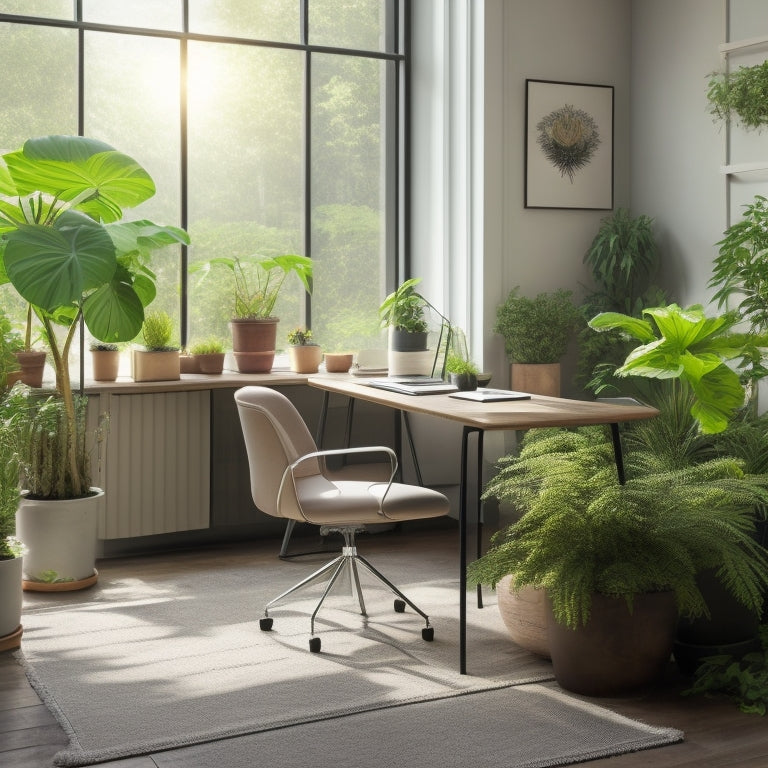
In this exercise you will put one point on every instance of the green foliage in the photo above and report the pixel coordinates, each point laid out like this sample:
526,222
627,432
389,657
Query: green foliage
259,279
404,309
157,331
581,532
300,336
741,95
623,259
687,345
9,475
209,346
740,270
102,346
10,343
743,680
457,364
537,330
67,254
44,434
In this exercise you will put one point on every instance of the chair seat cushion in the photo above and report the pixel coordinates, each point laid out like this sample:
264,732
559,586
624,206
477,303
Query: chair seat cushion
357,501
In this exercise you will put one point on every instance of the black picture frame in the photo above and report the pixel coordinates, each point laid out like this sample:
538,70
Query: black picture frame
568,145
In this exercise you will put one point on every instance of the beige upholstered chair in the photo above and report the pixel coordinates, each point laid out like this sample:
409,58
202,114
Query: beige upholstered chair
288,480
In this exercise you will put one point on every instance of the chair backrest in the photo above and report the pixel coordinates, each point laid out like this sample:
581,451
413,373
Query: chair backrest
275,436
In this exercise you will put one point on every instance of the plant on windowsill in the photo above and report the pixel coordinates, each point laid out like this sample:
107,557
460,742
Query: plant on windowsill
304,354
159,360
598,547
105,358
536,333
67,253
258,281
209,355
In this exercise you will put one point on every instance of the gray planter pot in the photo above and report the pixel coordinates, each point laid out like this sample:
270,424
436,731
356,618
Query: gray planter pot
10,596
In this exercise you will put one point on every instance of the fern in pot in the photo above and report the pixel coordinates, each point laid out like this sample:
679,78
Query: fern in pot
620,560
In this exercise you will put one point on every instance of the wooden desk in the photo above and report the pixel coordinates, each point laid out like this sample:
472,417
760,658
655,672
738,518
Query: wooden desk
478,418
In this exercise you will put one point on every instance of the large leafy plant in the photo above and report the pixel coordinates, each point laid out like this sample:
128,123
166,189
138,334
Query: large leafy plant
686,345
581,532
67,253
404,309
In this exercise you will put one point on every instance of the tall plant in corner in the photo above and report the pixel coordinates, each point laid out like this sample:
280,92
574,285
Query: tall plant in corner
65,250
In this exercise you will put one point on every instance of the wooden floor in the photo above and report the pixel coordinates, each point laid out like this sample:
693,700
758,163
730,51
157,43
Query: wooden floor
717,735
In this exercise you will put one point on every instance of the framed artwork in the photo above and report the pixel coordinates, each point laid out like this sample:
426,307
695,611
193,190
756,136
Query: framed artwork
568,145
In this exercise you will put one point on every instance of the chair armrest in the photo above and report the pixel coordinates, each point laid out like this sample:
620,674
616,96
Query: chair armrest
291,468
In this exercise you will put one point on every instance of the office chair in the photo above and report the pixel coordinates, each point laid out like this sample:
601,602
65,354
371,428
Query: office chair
288,479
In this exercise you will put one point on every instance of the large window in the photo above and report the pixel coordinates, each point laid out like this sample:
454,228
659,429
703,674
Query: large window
269,126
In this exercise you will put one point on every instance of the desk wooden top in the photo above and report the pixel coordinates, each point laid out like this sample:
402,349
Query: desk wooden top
539,411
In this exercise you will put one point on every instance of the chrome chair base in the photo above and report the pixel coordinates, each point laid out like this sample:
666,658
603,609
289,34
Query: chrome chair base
348,561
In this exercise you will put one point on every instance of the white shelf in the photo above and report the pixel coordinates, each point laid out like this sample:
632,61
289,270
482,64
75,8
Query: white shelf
744,167
738,45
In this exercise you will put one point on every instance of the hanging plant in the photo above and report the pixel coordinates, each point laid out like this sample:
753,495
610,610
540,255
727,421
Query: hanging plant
741,96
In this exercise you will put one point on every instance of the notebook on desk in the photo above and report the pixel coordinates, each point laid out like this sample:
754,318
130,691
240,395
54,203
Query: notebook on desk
484,395
413,385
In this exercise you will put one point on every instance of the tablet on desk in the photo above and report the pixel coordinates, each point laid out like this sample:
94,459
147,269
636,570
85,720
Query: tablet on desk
484,395
413,385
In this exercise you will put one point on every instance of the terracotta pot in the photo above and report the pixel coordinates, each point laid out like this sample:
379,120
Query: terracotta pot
106,364
616,652
211,363
189,364
305,358
525,615
536,378
338,362
32,366
253,344
155,365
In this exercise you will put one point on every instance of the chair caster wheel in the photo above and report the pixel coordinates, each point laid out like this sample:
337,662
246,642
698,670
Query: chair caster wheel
314,644
399,606
265,624
428,634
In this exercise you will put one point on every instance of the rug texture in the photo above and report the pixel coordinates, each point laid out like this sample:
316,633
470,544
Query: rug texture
136,666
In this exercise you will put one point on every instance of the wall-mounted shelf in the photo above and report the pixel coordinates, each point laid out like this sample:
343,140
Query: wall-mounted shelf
738,45
735,168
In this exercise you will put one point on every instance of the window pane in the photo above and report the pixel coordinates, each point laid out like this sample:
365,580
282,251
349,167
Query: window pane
153,14
39,98
348,199
51,9
256,19
353,24
143,123
245,172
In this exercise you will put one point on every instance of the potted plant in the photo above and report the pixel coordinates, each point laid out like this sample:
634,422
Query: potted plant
462,372
67,254
11,549
106,360
31,359
536,333
159,360
620,562
338,362
403,313
209,355
740,95
304,354
258,281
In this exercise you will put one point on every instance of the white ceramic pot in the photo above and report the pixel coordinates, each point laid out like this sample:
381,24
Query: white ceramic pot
61,539
10,595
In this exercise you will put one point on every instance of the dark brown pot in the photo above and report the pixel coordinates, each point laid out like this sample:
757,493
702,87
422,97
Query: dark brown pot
616,652
32,365
253,344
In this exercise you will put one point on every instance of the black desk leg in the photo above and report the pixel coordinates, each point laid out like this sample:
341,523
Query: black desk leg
617,452
463,511
479,533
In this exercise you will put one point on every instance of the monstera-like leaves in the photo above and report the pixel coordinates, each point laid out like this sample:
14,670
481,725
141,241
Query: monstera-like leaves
685,344
66,251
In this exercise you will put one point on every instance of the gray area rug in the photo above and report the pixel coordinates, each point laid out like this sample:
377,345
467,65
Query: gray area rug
137,666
